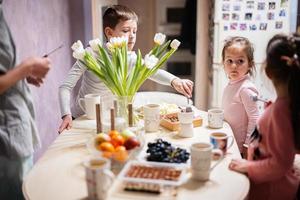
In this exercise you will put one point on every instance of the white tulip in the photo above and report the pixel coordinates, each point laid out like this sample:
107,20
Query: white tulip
131,58
79,54
175,44
150,61
77,45
159,38
118,41
94,44
109,46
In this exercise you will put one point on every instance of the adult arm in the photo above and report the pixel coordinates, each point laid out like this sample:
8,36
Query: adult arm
33,68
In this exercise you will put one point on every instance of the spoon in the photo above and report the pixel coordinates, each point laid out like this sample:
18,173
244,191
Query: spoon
256,98
52,51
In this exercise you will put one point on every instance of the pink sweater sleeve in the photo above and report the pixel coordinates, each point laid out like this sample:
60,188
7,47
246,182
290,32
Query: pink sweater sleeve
278,138
251,109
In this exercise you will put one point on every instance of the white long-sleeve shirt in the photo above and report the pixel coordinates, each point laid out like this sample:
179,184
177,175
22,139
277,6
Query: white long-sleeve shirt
92,84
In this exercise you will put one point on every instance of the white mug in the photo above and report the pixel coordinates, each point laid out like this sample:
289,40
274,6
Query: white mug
201,156
215,118
99,178
151,117
88,104
186,124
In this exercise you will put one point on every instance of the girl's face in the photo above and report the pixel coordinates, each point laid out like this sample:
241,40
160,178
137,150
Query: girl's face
126,28
236,63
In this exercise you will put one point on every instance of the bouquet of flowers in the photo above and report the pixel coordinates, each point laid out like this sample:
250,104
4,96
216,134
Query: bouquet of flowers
112,64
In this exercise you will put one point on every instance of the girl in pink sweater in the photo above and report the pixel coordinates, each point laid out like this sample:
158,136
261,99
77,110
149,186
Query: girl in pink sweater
273,145
239,109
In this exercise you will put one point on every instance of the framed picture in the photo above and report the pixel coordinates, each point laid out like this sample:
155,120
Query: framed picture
271,16
278,25
243,27
226,7
250,4
252,27
272,5
236,7
282,13
233,26
261,6
235,16
263,26
225,16
248,16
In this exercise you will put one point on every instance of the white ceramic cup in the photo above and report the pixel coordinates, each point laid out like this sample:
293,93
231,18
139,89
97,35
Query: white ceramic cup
151,117
201,156
99,178
88,104
215,118
186,124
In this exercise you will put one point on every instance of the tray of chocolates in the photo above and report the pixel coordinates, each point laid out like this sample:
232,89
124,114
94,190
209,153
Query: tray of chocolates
152,176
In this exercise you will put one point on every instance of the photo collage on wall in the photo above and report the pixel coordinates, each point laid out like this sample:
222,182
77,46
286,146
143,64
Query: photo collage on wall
253,15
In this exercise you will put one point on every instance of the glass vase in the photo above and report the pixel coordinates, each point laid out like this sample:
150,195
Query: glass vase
121,105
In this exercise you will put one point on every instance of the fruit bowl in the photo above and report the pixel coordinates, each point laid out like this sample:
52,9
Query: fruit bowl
119,147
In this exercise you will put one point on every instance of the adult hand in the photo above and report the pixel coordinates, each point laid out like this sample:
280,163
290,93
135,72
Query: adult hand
37,69
239,165
66,123
35,81
183,86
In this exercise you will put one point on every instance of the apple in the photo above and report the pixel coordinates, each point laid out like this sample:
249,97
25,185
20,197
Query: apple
127,134
101,137
131,143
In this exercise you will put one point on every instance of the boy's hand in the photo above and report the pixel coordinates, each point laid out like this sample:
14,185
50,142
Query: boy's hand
66,123
183,86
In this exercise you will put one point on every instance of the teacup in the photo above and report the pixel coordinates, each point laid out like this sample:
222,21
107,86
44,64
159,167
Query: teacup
88,104
219,140
99,178
151,117
215,118
201,156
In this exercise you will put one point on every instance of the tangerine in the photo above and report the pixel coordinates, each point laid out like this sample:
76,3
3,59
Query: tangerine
117,140
107,154
113,132
121,154
106,146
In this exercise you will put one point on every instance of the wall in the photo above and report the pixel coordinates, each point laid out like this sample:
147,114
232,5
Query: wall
145,9
202,55
37,27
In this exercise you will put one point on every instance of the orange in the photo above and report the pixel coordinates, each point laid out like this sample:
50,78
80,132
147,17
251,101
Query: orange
107,154
117,140
106,146
121,154
113,132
